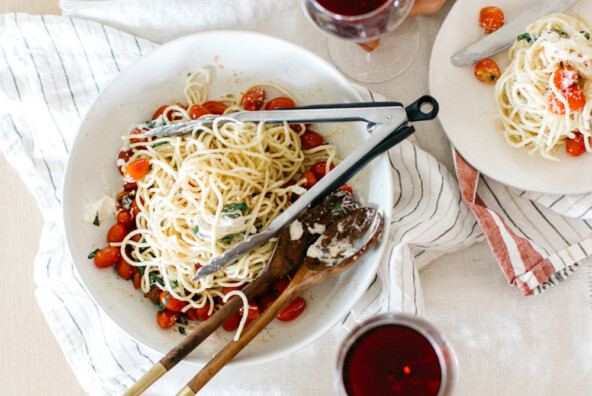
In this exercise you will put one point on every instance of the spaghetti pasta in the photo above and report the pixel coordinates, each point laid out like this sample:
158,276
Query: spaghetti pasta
529,103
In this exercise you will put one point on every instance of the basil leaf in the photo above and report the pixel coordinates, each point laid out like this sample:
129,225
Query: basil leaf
586,34
151,124
96,220
524,36
195,230
159,307
230,237
230,210
141,269
181,330
156,279
93,253
159,144
561,32
174,284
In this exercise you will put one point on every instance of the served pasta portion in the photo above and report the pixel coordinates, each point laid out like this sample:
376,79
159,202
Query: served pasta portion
544,97
188,198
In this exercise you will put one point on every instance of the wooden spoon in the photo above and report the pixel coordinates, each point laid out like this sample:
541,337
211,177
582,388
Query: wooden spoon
287,256
310,273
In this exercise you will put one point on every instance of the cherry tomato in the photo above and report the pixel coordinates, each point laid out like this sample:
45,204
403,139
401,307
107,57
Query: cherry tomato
320,169
576,100
123,155
136,170
370,46
253,99
491,19
565,77
310,178
123,200
137,279
124,269
347,188
191,314
266,301
252,312
107,256
166,319
129,186
125,217
197,111
160,111
116,233
293,310
280,284
576,146
203,313
487,71
280,102
215,107
228,289
311,139
135,208
138,131
171,303
232,323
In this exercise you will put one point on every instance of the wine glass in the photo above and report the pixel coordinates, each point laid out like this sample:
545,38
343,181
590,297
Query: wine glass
396,354
379,56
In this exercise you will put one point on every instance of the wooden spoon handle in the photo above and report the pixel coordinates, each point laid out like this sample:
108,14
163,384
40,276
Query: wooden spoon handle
196,337
234,347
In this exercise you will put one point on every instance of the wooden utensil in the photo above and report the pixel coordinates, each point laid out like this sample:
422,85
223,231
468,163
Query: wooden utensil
314,270
287,256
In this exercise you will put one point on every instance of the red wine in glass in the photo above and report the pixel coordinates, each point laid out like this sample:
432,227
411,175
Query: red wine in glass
351,7
396,355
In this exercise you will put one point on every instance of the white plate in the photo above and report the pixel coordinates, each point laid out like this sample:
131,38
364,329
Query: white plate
239,59
467,108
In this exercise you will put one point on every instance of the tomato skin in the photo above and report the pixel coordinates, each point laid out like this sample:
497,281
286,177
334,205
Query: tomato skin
171,303
124,155
136,170
116,233
347,188
310,178
491,19
576,146
565,77
125,217
203,313
137,280
320,169
138,131
197,111
124,200
293,310
311,139
228,289
107,256
487,71
124,269
191,314
253,99
279,102
576,100
135,208
166,319
215,107
232,323
252,312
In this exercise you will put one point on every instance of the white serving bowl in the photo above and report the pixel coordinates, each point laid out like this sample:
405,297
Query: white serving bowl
238,59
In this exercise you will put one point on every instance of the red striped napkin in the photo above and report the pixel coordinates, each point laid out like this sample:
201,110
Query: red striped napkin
537,239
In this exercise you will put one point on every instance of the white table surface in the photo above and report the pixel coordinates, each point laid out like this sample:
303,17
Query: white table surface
31,361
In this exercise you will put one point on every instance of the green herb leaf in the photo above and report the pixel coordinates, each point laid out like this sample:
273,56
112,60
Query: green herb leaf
159,307
561,32
181,330
586,34
230,210
339,208
195,230
182,319
150,124
524,36
159,144
156,279
174,284
96,220
93,253
230,237
141,269
166,299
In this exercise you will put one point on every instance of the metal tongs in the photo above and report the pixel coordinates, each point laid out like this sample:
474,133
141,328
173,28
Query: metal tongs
387,123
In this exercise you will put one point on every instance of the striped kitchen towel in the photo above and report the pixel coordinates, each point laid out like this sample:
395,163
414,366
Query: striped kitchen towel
538,239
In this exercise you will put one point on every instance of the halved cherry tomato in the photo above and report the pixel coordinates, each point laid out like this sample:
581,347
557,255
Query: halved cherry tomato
123,155
279,102
191,314
116,233
135,207
310,178
215,107
136,170
487,71
232,323
107,256
491,19
125,217
166,319
347,188
576,146
171,303
123,200
266,301
253,99
565,77
129,186
138,131
293,310
280,284
197,111
252,312
311,139
137,280
203,313
124,269
228,289
576,100
320,169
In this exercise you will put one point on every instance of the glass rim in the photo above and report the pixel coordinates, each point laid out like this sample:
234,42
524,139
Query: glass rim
443,349
353,18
